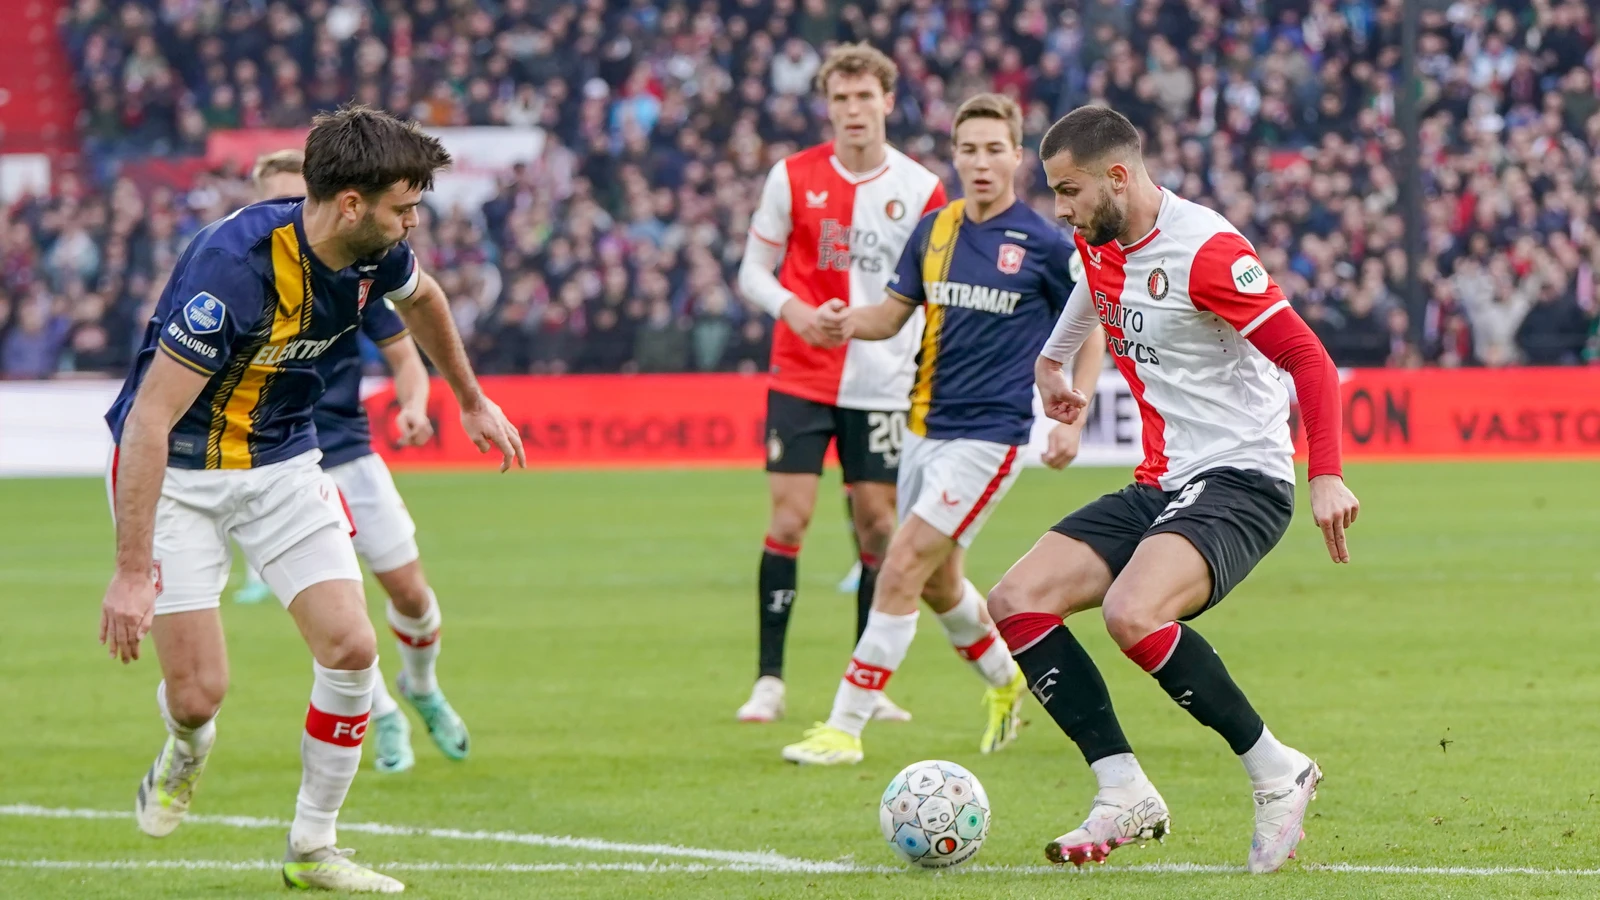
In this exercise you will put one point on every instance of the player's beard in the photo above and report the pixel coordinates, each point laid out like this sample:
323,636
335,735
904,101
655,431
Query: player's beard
1108,221
369,240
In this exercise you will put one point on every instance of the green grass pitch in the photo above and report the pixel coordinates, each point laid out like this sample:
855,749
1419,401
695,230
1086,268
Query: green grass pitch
599,633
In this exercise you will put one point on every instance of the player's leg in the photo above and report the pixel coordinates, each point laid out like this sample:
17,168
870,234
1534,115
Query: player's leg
1203,544
192,559
851,582
415,617
915,552
321,574
798,434
870,445
1069,571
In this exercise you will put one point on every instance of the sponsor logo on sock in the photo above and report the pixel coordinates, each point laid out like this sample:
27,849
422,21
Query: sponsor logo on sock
781,600
867,676
1183,698
1044,683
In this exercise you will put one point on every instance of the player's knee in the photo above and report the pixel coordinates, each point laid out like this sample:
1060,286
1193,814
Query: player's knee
1129,621
409,595
355,647
788,525
1011,596
874,531
194,699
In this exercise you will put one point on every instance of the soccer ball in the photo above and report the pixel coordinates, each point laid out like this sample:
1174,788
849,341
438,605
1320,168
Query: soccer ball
934,814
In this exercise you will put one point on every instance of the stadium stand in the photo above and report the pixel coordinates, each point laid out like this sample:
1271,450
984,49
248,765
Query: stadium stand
616,249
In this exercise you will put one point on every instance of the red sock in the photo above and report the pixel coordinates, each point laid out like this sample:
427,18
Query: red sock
1155,648
1023,630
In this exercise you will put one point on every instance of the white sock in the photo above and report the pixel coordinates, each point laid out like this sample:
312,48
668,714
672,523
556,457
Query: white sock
419,645
194,741
1269,761
1119,770
382,702
978,643
880,651
330,751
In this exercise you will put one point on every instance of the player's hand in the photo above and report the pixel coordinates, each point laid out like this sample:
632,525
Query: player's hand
488,427
1334,509
414,426
1062,401
801,317
833,320
126,614
1062,447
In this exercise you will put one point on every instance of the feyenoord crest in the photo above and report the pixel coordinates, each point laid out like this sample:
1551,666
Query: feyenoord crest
361,294
1010,261
895,210
774,447
1157,284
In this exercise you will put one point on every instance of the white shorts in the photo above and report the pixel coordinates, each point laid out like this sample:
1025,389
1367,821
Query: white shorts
267,510
954,485
385,535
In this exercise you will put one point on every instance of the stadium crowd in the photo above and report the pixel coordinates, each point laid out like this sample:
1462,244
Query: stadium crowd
616,249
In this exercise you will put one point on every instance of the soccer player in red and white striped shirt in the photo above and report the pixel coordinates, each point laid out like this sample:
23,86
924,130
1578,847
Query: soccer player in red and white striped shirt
1200,332
837,216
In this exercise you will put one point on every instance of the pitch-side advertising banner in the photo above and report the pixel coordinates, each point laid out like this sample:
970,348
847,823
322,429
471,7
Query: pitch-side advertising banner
645,421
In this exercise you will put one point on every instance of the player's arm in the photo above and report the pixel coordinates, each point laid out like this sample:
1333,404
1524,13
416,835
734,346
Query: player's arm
168,389
426,312
1065,438
382,324
763,251
1077,323
840,322
410,389
1229,280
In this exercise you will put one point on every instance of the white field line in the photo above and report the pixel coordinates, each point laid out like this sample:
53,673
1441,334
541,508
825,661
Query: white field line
766,860
729,860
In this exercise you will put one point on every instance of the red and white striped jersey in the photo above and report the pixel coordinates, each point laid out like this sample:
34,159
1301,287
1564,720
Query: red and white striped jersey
1177,306
842,233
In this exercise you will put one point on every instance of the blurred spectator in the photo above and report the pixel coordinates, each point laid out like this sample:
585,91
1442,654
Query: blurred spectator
661,119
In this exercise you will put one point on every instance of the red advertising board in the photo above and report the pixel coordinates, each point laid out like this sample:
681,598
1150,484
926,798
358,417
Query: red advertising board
1470,413
649,421
598,420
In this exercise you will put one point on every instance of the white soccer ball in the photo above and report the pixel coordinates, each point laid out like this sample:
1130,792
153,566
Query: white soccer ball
934,814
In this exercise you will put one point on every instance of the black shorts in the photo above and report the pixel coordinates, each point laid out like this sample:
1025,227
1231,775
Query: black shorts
1232,516
799,431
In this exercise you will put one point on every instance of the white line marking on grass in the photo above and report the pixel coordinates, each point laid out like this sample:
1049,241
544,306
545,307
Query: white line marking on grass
263,865
730,860
765,860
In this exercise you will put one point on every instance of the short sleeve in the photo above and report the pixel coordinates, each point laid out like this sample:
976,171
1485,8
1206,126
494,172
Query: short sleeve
772,222
905,283
381,323
936,199
217,297
1227,279
398,274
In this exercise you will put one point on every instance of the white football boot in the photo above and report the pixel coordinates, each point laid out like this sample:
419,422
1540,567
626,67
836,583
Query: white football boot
887,710
766,701
1280,818
1118,816
165,791
332,869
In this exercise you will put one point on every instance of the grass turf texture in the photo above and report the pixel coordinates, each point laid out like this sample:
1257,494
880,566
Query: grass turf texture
600,630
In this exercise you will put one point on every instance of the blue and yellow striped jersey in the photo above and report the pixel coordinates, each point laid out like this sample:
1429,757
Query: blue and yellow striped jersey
993,291
249,305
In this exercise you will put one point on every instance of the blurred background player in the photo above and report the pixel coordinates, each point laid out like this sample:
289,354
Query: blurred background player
992,275
836,216
1196,326
385,535
214,441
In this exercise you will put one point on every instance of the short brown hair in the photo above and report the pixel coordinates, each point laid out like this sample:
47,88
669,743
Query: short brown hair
280,162
991,106
858,59
367,150
1090,133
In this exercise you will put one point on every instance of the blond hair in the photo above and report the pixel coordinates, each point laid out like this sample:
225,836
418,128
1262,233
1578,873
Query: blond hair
280,162
991,106
858,59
